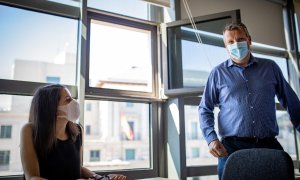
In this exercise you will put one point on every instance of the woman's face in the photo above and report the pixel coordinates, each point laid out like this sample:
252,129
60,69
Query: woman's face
65,98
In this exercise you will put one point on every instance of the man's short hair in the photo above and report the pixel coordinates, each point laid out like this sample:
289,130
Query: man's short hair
236,26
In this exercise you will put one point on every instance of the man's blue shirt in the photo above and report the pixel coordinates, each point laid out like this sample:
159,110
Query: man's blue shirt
246,98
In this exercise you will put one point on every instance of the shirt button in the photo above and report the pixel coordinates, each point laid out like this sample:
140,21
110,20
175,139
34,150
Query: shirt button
249,93
251,107
253,121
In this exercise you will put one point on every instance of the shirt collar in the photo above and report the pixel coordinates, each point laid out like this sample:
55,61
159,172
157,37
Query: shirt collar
251,61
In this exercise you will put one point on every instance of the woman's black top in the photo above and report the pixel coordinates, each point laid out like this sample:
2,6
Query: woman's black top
63,162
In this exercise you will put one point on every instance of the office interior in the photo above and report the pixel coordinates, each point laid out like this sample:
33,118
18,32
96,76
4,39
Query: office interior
138,69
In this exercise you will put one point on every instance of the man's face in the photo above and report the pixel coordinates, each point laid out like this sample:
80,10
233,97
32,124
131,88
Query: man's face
231,37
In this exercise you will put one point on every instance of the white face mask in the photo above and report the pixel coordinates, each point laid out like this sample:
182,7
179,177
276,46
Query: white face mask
72,111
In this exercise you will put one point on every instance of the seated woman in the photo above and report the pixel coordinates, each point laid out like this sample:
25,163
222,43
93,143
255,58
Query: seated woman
51,142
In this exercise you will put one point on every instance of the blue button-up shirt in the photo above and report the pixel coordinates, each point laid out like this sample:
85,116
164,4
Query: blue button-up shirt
246,98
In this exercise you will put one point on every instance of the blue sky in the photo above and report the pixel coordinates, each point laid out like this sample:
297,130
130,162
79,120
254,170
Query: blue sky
34,36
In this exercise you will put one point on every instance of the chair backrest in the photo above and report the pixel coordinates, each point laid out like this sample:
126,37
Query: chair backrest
259,164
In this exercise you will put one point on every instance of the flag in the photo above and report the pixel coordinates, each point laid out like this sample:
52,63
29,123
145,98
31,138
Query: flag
126,128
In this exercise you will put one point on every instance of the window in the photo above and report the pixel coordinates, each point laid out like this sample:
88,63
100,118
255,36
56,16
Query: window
195,128
53,79
129,104
130,154
115,129
44,57
16,116
94,155
33,54
188,66
286,133
195,152
88,107
195,140
87,129
189,61
126,9
5,131
4,160
122,69
24,33
125,61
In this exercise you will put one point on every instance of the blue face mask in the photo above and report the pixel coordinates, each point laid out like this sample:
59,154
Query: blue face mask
238,50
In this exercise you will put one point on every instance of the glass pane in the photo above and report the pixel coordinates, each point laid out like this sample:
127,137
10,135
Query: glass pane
4,160
120,133
120,57
190,62
197,152
198,60
35,46
14,111
5,131
118,6
286,133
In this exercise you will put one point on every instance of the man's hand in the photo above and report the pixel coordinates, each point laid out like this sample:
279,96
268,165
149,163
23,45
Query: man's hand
217,149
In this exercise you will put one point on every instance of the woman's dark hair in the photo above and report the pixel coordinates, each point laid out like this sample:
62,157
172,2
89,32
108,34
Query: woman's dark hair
43,114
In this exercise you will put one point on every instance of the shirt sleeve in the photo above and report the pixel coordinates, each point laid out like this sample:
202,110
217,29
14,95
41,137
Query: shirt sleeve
206,108
287,97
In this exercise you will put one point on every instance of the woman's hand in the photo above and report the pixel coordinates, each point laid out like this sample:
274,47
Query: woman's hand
117,177
110,176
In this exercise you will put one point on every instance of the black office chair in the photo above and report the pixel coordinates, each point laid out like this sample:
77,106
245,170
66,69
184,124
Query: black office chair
259,164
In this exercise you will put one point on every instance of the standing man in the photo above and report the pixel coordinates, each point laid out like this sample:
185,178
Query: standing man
244,88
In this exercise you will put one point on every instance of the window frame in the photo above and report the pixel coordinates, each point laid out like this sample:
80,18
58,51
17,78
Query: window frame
152,99
178,97
192,96
154,146
27,88
98,15
168,90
